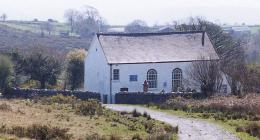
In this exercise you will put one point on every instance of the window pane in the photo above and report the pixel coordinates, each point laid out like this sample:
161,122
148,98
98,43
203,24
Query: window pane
176,79
152,78
133,78
116,74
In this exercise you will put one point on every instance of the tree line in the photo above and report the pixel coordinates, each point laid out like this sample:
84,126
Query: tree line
42,68
49,69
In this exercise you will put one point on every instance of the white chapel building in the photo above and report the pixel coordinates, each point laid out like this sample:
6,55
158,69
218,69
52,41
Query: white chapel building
124,61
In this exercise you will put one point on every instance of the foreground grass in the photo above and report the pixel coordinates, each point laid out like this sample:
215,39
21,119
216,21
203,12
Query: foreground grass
228,125
25,113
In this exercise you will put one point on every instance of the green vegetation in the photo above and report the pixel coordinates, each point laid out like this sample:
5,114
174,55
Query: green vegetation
76,119
239,115
254,29
6,71
35,27
75,68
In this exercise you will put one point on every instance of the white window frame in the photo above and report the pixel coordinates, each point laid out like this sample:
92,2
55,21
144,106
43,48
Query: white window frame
177,78
152,77
116,74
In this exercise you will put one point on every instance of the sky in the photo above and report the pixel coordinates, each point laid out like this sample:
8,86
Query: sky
121,12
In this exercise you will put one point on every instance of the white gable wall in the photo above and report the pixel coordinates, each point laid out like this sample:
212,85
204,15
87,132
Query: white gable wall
97,71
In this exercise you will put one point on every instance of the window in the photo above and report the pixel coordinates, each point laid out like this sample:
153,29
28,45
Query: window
115,74
133,78
152,78
176,79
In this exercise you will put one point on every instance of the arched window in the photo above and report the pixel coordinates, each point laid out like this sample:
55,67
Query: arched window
176,79
152,78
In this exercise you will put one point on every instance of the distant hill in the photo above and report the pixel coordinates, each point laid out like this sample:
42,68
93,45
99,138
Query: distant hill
23,35
35,26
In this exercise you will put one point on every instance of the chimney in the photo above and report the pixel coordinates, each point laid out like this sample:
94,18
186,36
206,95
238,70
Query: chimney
203,38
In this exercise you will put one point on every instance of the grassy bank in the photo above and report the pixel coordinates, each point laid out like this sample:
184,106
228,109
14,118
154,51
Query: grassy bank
75,119
238,115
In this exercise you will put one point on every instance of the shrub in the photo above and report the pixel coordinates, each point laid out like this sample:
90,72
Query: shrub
137,137
5,107
160,136
95,137
6,71
75,68
135,113
59,98
252,129
170,129
149,126
114,137
38,132
219,107
90,107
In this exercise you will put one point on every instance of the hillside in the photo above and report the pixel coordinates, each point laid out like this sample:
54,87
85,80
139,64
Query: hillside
35,26
13,37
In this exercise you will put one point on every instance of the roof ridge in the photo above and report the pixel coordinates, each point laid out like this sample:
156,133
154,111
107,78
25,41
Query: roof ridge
147,34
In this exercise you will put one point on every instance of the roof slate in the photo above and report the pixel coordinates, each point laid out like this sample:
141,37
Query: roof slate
124,48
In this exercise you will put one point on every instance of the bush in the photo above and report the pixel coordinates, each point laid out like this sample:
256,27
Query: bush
219,107
6,71
59,98
89,108
95,137
170,129
135,113
160,136
38,132
75,68
252,129
137,137
5,107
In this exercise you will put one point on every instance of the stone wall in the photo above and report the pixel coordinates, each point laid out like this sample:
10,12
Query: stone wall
146,98
31,93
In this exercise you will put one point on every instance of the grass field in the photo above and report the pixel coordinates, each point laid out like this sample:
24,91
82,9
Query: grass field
35,27
255,29
25,113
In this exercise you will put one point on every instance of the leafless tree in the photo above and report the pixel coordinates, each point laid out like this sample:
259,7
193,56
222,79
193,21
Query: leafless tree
207,75
137,26
230,50
70,16
47,26
87,21
4,17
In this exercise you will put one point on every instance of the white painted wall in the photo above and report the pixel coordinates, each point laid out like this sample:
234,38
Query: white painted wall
97,74
164,75
97,71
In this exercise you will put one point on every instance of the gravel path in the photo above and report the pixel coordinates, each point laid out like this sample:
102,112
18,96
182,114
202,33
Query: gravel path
189,129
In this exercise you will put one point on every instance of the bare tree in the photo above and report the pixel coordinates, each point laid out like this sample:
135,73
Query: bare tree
48,27
230,50
137,26
207,75
4,17
87,21
70,16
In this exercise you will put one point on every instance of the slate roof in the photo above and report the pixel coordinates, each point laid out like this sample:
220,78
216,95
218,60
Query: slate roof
125,48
